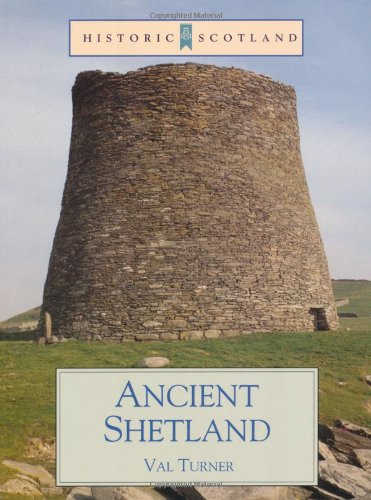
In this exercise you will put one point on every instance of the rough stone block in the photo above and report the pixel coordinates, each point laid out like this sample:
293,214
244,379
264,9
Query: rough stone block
346,479
169,336
212,334
176,323
52,340
151,324
36,472
147,336
230,333
191,335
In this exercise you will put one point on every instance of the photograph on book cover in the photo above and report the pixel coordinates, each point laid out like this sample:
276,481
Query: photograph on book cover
185,247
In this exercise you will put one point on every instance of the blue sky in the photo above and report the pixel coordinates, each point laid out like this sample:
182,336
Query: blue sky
332,81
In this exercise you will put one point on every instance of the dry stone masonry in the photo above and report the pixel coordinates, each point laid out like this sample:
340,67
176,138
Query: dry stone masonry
185,212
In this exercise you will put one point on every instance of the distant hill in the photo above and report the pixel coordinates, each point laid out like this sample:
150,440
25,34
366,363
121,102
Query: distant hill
24,321
352,281
359,294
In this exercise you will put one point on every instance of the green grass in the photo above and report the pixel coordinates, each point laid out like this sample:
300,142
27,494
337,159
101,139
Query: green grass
27,390
27,370
358,293
356,324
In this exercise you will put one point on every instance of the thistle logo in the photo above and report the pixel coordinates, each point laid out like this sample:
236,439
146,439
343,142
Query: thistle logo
186,36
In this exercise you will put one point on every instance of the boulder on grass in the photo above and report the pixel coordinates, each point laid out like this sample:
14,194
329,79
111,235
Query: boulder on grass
153,362
36,472
344,479
20,487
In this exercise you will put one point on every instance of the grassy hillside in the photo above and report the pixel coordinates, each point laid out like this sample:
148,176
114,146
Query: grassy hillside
22,320
27,391
27,370
359,294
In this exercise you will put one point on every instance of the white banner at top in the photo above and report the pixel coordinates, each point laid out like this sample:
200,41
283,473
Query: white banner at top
186,38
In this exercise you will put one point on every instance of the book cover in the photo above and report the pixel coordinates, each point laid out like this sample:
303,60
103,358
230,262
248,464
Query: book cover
187,233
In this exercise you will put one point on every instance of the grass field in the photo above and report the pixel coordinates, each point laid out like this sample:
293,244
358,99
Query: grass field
358,293
27,370
27,390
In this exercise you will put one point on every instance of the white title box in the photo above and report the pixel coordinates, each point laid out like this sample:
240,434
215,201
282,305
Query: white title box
223,37
225,426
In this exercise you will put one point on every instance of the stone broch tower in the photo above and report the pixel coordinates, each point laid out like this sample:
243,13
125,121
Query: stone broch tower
186,212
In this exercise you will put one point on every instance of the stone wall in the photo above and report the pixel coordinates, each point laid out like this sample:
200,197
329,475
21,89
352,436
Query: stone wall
185,212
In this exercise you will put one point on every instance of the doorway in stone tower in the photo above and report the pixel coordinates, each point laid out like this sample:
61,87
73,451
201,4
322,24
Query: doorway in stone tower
319,319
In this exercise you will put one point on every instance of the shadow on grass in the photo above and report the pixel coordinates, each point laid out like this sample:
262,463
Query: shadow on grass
16,335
